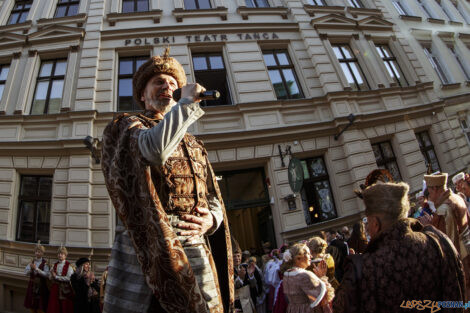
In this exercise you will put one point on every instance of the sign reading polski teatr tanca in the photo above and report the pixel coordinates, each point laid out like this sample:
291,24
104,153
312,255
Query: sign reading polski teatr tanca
199,38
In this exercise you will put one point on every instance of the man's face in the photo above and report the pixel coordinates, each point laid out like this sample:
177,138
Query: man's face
158,93
38,253
433,193
61,256
465,188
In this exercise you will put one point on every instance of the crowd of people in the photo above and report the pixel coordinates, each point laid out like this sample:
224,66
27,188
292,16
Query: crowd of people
63,287
394,256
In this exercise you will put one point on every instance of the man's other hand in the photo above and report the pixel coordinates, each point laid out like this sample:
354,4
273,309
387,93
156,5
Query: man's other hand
196,225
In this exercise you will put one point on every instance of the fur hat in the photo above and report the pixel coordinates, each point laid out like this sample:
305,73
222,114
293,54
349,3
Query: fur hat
157,65
39,247
457,177
82,261
63,250
436,180
388,199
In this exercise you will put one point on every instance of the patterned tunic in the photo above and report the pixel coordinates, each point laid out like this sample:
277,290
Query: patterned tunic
150,193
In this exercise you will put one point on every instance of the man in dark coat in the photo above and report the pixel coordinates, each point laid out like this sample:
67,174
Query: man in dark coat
404,260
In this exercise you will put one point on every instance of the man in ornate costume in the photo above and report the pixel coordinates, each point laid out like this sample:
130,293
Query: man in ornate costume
404,261
450,217
37,293
175,252
61,293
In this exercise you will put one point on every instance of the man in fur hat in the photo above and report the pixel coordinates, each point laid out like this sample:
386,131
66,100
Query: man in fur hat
37,293
451,217
462,186
61,293
404,261
164,190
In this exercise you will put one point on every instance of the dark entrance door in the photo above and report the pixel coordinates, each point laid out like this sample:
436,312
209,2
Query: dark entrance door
246,199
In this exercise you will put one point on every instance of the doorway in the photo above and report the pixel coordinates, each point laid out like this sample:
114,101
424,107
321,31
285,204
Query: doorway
246,200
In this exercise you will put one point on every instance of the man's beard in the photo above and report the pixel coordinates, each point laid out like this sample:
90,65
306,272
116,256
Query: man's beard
161,106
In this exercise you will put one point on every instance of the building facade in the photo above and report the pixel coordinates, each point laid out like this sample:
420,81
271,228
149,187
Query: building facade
293,75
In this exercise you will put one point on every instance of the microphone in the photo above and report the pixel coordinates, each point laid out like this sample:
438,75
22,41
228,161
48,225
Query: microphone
206,95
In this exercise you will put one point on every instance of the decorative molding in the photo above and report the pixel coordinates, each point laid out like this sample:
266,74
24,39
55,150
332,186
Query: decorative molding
323,9
450,86
455,23
25,26
180,14
333,21
79,19
75,48
18,112
56,33
355,12
436,21
16,55
154,15
374,23
411,18
446,35
12,40
246,12
32,53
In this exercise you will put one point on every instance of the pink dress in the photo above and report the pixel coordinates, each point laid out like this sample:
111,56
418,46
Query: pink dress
304,291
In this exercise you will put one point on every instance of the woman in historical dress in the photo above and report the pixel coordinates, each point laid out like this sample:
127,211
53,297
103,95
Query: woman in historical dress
317,248
86,288
37,293
306,293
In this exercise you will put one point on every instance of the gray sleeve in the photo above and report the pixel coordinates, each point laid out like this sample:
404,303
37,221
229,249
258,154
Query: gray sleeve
157,143
215,206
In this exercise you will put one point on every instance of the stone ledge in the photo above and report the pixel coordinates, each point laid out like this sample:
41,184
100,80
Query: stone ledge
155,15
312,9
411,18
450,86
436,21
245,12
180,14
25,26
80,19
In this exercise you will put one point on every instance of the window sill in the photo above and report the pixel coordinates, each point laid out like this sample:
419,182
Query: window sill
312,9
436,21
363,11
455,23
25,26
80,19
450,86
154,15
245,12
411,18
180,14
467,83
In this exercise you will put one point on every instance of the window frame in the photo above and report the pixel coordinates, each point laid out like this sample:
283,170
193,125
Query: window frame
135,2
51,79
424,149
465,70
400,8
134,58
207,55
255,4
347,61
21,11
391,59
197,5
387,160
436,64
321,3
280,68
36,200
67,4
425,9
466,130
358,4
311,181
4,82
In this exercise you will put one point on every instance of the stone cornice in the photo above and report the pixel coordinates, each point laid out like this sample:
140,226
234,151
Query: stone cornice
364,11
79,19
411,18
154,15
246,12
182,30
181,14
320,9
24,27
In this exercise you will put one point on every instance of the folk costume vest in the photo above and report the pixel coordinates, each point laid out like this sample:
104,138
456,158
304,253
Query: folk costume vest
65,288
37,293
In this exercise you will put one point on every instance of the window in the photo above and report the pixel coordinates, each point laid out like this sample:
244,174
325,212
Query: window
385,158
427,149
462,11
317,2
356,3
391,64
67,8
197,4
426,11
20,12
282,74
446,11
458,59
129,6
3,77
351,68
436,64
34,210
209,70
399,7
127,67
257,3
466,129
49,87
317,199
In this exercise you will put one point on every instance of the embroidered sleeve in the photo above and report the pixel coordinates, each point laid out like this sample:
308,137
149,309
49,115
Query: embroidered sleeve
159,142
214,204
